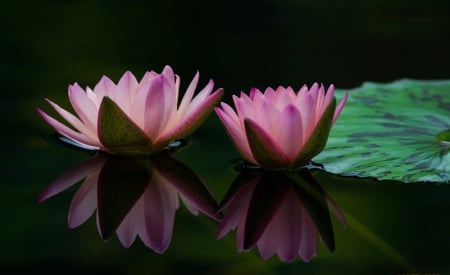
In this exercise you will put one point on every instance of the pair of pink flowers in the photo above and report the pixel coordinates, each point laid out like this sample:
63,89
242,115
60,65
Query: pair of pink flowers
275,129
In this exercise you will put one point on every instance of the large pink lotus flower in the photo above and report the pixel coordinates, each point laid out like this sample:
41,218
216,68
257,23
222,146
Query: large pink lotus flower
133,196
279,214
280,128
132,116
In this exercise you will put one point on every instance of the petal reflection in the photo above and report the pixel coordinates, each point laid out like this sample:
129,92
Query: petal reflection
133,196
280,212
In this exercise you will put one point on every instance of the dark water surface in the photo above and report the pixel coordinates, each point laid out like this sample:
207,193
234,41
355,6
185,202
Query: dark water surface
393,228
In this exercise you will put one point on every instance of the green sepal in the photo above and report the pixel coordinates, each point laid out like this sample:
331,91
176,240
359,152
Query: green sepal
316,143
118,133
267,153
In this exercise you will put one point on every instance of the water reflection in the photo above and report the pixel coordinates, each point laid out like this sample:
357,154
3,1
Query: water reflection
279,212
133,196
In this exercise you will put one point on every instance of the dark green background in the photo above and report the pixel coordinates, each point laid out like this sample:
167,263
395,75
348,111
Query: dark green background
47,45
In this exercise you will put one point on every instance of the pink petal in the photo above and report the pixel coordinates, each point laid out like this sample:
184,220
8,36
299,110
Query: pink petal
288,220
283,98
236,211
104,87
138,105
320,100
177,82
252,107
308,243
238,137
240,110
329,96
192,120
140,222
339,108
301,95
69,133
190,205
168,73
157,107
233,218
83,106
268,117
171,86
246,99
148,77
188,95
92,97
313,89
255,92
160,207
171,99
244,108
291,131
307,112
71,177
132,224
139,101
258,99
200,98
126,232
270,94
126,89
230,112
291,93
84,202
270,241
74,121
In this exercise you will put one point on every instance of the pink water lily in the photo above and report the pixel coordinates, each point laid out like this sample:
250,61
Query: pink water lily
281,128
132,116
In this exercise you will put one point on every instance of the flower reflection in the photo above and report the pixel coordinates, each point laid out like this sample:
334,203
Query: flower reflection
133,196
280,213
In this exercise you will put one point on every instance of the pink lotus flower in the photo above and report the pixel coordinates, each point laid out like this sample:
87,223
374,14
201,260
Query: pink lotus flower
133,196
280,128
132,116
279,214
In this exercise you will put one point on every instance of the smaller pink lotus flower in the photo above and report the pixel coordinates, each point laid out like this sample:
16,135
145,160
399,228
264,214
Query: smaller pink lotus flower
280,128
132,116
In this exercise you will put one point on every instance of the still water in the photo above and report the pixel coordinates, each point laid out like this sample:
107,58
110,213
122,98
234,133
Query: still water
141,216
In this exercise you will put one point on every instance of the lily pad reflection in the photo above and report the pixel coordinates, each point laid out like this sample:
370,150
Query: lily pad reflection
133,196
281,213
396,131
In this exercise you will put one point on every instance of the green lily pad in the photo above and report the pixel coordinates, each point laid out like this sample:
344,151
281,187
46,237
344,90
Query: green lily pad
395,131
